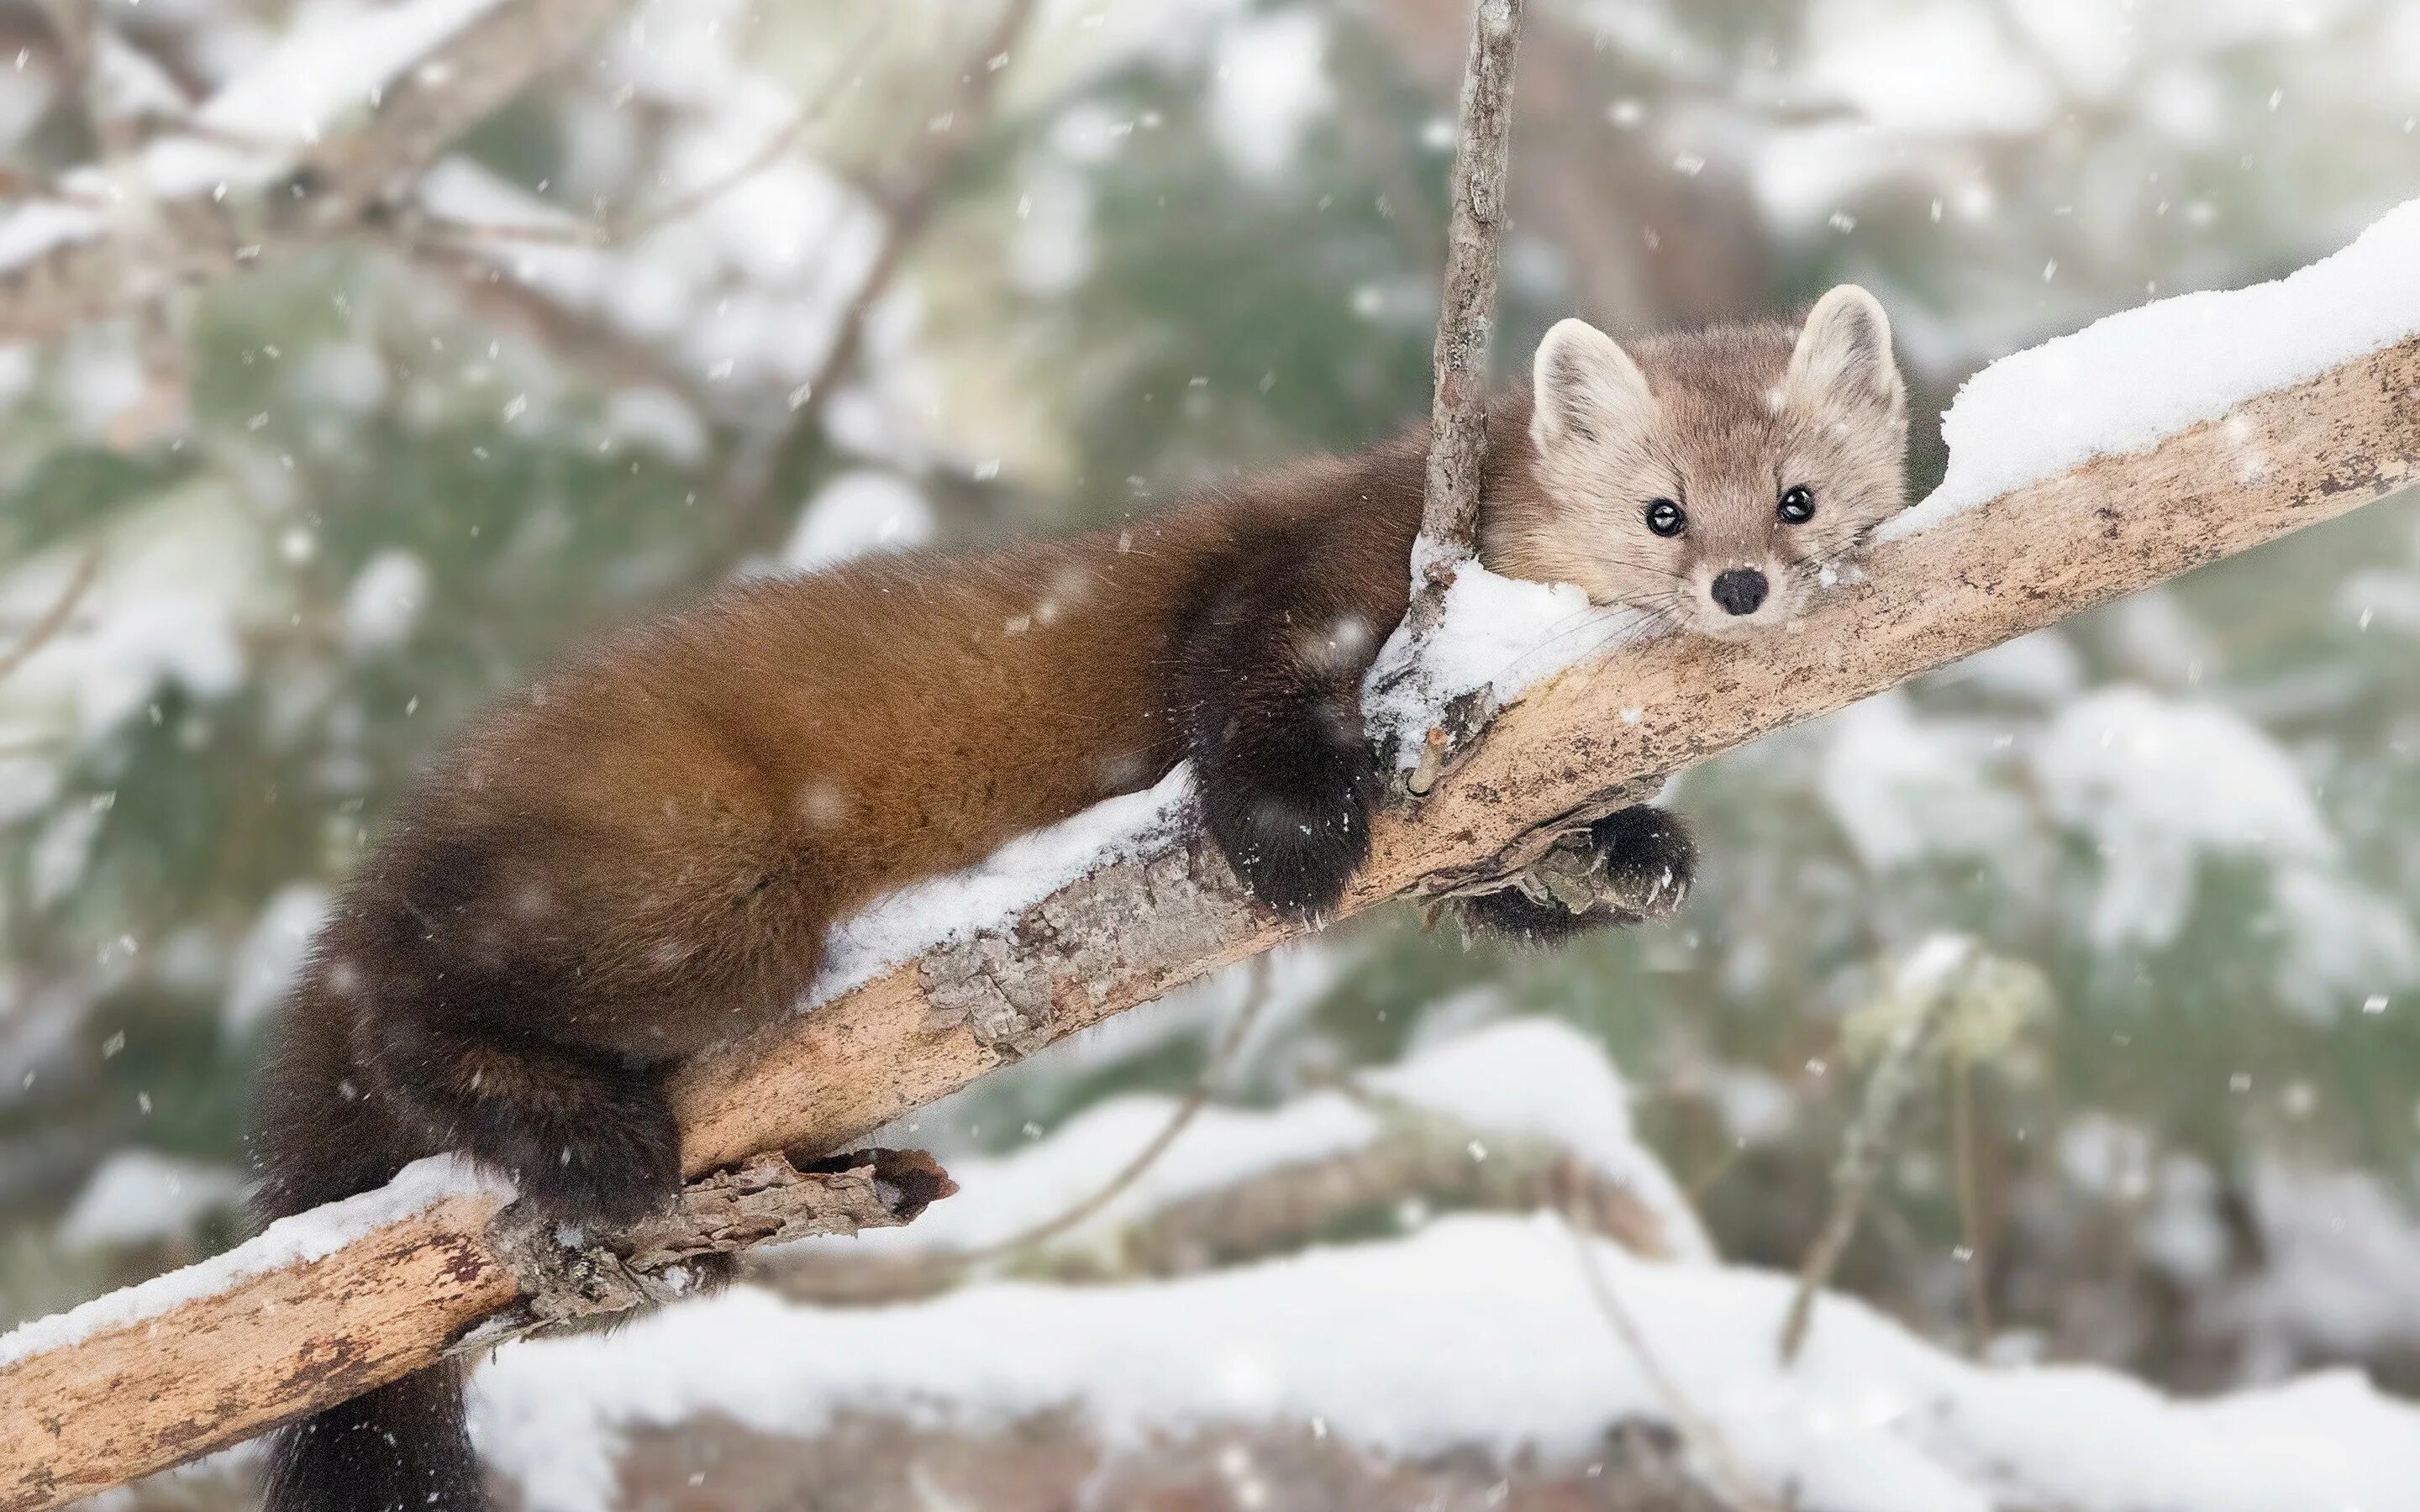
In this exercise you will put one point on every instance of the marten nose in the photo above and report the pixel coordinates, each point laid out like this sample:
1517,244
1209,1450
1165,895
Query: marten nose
1740,590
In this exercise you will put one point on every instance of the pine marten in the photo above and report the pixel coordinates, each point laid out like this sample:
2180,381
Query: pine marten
637,856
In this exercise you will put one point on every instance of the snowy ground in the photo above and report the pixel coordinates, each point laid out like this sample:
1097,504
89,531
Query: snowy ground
1472,1334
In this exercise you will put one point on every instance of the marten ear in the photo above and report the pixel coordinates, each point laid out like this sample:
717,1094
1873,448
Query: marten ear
1845,348
1586,386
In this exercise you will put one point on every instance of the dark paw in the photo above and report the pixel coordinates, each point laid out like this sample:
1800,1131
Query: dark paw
1295,831
1514,915
603,1151
1630,867
708,1273
1646,859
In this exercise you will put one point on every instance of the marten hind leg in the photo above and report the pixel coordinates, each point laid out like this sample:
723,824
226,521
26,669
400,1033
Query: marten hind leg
588,1137
1644,864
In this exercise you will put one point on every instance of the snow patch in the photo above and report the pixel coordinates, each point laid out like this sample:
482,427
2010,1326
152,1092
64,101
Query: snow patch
2157,784
1905,790
40,226
856,515
1477,1332
2127,382
337,60
57,858
1503,634
384,604
272,953
2342,1252
1938,70
1268,88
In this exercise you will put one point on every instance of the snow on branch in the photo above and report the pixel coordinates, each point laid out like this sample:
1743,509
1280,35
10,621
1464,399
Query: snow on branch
327,1303
2241,453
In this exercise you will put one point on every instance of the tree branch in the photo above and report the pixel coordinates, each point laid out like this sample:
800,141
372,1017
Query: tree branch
397,1296
1465,313
54,619
345,184
1424,1157
82,1417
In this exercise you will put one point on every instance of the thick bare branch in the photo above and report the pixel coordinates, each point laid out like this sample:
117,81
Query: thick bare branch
1130,932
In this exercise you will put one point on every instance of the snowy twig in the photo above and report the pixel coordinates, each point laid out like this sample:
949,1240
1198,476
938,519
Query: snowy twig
909,202
1896,1076
1423,1159
621,231
162,1382
54,619
345,186
593,346
1697,1431
771,1198
323,1305
1467,314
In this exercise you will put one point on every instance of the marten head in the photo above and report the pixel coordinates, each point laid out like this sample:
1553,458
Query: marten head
1712,476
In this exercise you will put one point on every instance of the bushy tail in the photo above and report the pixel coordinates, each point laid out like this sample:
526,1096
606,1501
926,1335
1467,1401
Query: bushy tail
315,1138
400,1449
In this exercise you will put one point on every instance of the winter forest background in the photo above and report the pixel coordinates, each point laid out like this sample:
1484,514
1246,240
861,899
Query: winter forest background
754,289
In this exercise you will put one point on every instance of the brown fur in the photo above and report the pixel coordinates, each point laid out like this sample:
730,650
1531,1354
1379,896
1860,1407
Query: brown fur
638,856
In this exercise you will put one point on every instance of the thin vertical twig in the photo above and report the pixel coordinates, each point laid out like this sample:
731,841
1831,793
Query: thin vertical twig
1467,313
1889,1087
1706,1441
1968,1181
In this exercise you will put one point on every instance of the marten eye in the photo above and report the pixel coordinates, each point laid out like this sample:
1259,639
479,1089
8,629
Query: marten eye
1797,504
1664,518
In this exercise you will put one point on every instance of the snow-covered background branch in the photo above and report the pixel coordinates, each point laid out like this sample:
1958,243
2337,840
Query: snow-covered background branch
302,486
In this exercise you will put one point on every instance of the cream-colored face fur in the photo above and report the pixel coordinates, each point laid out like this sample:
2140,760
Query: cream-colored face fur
1712,476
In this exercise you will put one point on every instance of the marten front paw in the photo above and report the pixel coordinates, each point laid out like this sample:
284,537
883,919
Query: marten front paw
1296,827
1630,867
1645,860
606,1154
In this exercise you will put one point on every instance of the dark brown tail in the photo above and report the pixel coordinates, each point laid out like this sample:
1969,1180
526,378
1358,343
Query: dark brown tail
317,1135
400,1449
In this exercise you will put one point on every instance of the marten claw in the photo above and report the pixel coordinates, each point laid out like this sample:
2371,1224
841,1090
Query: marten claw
1645,861
1630,867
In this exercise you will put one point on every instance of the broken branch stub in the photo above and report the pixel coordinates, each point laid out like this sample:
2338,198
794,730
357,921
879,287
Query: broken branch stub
766,1199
